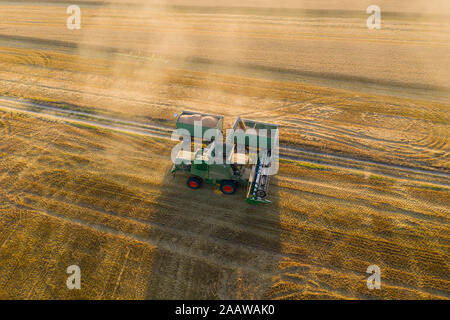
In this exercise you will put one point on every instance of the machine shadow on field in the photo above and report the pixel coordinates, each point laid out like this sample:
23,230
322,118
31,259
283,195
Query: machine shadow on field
216,246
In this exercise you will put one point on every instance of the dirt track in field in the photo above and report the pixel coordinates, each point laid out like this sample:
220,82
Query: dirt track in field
84,155
287,152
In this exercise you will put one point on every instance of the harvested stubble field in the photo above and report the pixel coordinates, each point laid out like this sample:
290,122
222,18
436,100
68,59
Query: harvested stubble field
364,175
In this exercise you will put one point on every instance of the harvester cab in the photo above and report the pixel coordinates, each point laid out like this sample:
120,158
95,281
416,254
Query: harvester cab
248,156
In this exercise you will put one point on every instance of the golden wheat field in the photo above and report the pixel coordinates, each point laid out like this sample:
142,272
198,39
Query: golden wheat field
85,122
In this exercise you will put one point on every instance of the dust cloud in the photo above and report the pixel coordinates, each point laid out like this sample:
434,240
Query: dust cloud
327,45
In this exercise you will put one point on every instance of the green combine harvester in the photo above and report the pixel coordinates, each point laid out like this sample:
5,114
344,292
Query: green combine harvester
249,155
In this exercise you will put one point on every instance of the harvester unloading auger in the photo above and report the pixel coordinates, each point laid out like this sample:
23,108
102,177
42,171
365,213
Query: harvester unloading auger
248,156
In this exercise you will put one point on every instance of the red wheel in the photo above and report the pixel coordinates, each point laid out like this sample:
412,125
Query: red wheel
194,183
228,187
